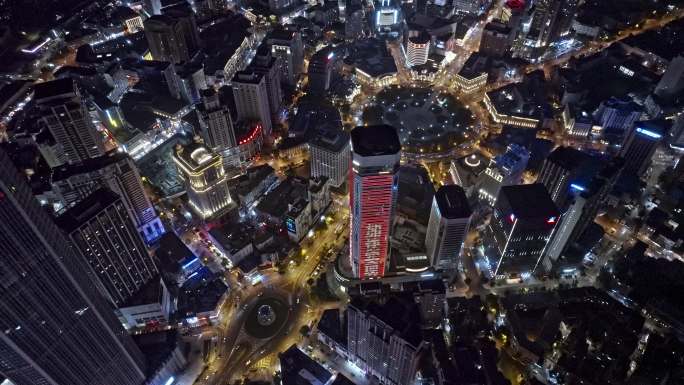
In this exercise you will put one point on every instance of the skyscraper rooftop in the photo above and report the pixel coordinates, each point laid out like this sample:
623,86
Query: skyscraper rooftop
529,201
375,140
452,202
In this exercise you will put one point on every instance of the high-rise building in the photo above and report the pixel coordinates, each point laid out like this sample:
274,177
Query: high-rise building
418,49
522,222
559,171
288,46
167,40
447,227
320,70
251,98
672,82
117,172
190,82
583,209
184,15
373,194
504,170
269,66
640,145
63,111
205,179
103,233
330,155
217,129
57,328
616,116
567,224
497,39
552,20
384,340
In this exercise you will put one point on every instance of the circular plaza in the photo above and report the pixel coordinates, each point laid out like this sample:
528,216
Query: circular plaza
266,317
427,120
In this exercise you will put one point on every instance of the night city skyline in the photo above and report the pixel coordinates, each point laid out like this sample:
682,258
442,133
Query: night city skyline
341,192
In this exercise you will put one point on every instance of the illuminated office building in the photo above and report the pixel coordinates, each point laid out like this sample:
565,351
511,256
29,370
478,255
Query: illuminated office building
506,169
205,179
373,193
640,145
102,231
522,222
63,111
447,227
418,49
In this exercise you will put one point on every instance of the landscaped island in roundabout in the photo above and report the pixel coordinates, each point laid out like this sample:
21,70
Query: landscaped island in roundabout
266,317
428,121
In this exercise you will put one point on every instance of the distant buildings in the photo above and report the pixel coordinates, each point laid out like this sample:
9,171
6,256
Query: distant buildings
448,227
375,159
72,336
330,155
520,228
251,99
64,113
205,179
104,235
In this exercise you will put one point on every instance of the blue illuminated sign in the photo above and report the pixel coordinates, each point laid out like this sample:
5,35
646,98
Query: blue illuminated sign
190,263
577,187
291,226
648,133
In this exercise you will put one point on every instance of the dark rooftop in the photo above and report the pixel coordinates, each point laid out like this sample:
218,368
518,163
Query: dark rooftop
86,166
156,347
151,292
375,140
332,140
200,293
332,326
399,312
54,88
529,201
299,369
567,157
86,209
172,250
452,202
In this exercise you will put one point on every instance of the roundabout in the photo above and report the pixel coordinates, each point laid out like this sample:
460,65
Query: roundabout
266,317
427,121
